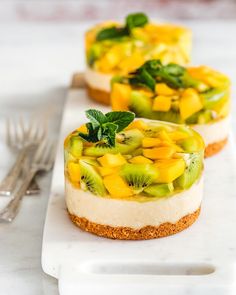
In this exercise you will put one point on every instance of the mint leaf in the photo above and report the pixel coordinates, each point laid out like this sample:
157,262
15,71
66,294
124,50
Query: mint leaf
111,33
136,20
92,133
103,128
96,117
143,78
132,20
109,133
121,119
153,71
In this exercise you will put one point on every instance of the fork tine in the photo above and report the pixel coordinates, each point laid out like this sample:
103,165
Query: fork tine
36,131
47,152
30,127
51,154
8,132
22,126
40,151
44,129
16,132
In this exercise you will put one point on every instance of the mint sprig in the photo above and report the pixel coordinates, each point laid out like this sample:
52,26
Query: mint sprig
132,21
103,127
154,71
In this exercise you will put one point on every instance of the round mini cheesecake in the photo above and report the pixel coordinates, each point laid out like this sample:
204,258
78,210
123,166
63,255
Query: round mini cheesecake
148,185
196,96
117,49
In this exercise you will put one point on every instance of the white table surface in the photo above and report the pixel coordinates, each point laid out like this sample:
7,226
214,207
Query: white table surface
36,63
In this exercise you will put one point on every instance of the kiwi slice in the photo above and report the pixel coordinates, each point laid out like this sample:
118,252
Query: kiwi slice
213,96
90,179
201,117
205,117
94,53
76,146
160,190
192,119
126,143
140,104
189,144
170,116
139,176
192,172
68,156
154,128
90,160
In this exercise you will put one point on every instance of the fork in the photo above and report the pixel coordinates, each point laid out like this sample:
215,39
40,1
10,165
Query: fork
22,139
43,161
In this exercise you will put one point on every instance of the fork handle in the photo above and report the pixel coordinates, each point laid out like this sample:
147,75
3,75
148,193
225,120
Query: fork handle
8,183
11,210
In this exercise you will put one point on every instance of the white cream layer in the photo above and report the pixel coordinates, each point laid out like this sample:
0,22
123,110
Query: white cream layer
214,132
98,80
133,214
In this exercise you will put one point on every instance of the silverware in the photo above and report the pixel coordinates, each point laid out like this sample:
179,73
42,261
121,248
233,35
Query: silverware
43,161
22,139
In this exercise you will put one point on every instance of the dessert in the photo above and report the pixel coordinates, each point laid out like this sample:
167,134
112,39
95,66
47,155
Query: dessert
133,180
114,48
197,96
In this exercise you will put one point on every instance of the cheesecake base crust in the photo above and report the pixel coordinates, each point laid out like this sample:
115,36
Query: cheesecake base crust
127,233
98,95
215,147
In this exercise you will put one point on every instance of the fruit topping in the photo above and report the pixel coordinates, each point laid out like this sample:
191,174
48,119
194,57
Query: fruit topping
159,152
122,48
174,93
90,179
117,186
191,173
111,160
149,159
160,190
170,169
139,176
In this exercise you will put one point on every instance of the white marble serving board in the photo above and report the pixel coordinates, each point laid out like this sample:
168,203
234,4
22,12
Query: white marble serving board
198,261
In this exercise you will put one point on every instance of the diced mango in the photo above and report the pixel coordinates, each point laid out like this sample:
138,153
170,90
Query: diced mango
104,171
116,186
146,92
223,109
190,103
163,135
110,60
112,160
132,62
176,135
177,148
73,171
150,142
140,160
139,33
170,169
82,129
209,76
161,103
163,89
159,152
166,143
137,124
120,96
